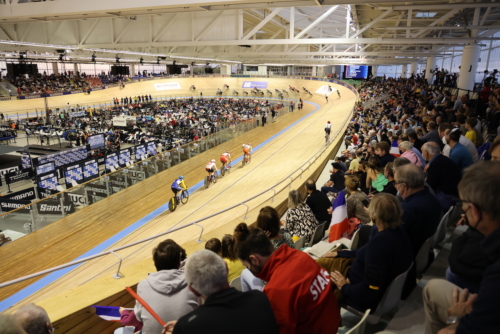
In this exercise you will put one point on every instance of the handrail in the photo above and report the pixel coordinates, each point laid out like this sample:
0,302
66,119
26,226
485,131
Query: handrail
174,229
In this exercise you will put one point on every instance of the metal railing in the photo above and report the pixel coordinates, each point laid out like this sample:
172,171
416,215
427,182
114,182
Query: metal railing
305,166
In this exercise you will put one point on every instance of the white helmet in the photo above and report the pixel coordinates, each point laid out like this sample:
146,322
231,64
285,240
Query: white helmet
213,160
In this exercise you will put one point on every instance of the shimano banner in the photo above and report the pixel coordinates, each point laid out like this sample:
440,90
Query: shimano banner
7,204
26,195
48,207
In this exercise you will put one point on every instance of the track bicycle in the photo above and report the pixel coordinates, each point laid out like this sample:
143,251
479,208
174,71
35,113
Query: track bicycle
181,197
211,179
226,168
247,158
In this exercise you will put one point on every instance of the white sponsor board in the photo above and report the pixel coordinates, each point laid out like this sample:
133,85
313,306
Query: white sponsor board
123,120
323,90
167,86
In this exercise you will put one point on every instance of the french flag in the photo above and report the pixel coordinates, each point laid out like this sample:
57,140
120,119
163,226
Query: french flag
395,149
109,313
339,223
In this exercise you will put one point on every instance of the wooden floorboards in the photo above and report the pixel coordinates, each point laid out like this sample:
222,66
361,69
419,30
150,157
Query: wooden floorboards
79,232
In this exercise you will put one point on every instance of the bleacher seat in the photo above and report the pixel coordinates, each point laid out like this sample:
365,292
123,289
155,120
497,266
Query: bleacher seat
360,326
441,230
355,240
299,244
318,235
389,301
422,258
236,283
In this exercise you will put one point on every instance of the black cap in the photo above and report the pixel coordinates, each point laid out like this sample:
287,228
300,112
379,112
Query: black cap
336,165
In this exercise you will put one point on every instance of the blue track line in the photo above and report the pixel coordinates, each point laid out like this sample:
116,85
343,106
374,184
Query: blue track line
50,278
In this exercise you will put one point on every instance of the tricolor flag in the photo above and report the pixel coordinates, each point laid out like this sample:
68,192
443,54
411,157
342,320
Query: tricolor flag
339,223
395,149
109,313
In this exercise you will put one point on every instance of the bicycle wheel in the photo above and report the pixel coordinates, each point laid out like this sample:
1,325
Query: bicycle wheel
228,169
184,197
171,204
243,162
222,171
207,181
215,178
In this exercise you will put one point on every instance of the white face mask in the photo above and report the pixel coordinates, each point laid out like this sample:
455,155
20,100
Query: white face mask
444,140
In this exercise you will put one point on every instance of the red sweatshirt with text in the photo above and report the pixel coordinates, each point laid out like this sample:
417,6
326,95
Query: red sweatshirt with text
300,292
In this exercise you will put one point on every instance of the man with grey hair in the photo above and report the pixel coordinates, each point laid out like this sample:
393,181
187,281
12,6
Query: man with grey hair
34,319
226,310
449,309
443,175
421,211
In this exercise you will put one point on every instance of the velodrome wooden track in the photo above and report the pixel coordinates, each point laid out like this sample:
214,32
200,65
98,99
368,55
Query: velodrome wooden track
72,236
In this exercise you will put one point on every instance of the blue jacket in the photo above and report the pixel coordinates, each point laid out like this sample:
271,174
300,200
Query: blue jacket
461,156
484,317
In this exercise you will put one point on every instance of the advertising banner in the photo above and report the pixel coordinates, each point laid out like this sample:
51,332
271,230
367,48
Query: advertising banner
254,84
167,86
7,204
25,195
19,175
45,192
50,207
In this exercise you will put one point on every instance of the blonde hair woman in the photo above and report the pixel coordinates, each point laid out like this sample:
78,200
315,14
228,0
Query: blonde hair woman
355,198
300,220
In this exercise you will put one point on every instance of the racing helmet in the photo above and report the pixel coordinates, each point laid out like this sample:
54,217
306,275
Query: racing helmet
181,177
213,160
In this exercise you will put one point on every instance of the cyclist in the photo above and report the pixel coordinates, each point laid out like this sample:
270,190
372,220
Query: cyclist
247,151
328,128
225,158
211,168
177,186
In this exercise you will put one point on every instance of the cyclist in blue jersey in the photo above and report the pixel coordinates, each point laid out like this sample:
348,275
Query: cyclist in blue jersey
178,185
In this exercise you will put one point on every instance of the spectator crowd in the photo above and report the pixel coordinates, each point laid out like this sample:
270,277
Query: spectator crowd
412,153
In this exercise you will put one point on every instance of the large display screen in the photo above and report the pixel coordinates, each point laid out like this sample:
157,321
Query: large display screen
140,151
96,141
73,173
152,148
111,161
355,72
65,157
124,157
45,168
48,181
90,169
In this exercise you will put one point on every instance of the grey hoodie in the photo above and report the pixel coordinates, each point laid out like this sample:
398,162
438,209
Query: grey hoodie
167,293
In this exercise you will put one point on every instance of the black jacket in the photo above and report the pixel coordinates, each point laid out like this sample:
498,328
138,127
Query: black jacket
443,175
467,258
484,317
230,311
319,204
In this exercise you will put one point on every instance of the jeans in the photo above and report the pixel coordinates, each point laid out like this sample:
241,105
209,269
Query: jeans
326,190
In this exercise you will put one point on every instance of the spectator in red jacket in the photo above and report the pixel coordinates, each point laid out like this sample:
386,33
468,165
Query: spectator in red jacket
300,291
